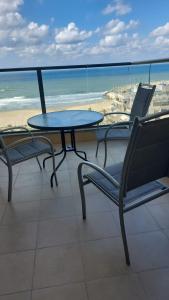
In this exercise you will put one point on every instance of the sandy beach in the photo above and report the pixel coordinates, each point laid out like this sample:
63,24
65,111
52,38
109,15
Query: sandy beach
113,101
20,117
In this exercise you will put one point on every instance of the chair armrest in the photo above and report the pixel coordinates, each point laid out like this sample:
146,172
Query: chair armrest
100,170
125,123
31,138
117,113
15,128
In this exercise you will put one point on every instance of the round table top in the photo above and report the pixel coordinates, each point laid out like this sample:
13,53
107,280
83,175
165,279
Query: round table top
66,119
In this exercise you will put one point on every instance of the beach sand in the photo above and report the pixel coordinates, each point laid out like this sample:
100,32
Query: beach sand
20,117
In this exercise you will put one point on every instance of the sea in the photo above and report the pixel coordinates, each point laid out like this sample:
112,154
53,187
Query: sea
65,88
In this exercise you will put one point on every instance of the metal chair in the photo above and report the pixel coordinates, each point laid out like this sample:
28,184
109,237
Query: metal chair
135,181
139,108
22,150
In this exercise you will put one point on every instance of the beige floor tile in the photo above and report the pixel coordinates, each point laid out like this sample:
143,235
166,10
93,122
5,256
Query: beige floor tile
4,169
2,211
57,208
104,258
16,272
78,250
58,265
137,221
25,193
49,165
63,177
4,187
148,251
21,212
161,200
156,284
4,194
18,237
95,202
57,231
30,179
97,226
166,232
160,213
118,288
66,292
18,296
64,189
32,166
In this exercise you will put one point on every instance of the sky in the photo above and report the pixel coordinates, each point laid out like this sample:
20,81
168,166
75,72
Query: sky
66,32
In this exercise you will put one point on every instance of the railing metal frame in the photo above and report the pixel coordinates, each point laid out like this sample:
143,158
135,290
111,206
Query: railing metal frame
83,66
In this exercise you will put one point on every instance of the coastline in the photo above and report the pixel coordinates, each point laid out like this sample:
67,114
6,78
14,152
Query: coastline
113,101
20,117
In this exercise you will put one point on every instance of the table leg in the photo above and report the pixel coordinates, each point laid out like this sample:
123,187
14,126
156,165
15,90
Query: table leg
46,158
65,150
64,155
73,142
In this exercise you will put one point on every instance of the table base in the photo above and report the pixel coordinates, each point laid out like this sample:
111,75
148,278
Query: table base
64,150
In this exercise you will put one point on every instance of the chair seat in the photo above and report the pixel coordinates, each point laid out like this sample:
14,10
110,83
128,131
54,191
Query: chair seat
27,150
115,171
114,134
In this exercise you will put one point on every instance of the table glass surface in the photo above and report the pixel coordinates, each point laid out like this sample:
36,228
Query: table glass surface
67,119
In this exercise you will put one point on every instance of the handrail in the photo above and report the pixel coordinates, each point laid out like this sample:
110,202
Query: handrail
62,67
39,69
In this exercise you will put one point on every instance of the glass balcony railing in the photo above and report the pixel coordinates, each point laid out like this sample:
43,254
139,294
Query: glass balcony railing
25,92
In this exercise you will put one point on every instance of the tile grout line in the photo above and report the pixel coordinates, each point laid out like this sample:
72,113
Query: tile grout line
35,255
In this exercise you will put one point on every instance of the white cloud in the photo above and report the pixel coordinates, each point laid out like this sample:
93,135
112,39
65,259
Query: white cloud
117,36
116,33
161,30
4,50
10,20
132,24
9,5
115,26
30,34
119,47
161,37
31,43
71,34
113,40
118,7
161,41
15,31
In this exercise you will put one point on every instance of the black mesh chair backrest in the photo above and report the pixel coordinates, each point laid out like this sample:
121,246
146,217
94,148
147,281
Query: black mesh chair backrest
142,100
2,144
147,156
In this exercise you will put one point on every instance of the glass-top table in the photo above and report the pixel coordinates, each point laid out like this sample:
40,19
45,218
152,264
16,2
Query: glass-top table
66,122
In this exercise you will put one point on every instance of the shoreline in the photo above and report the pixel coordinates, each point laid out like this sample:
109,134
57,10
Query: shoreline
108,104
20,117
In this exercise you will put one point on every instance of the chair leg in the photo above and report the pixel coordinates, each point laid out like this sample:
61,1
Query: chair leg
38,163
105,153
123,232
10,176
97,148
54,171
81,186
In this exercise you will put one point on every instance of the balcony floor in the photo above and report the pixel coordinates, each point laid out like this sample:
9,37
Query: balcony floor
48,252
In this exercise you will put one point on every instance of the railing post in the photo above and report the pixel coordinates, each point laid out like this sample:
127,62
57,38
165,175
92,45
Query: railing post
149,74
41,91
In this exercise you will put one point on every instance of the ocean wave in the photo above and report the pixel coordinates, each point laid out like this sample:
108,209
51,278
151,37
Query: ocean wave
21,102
